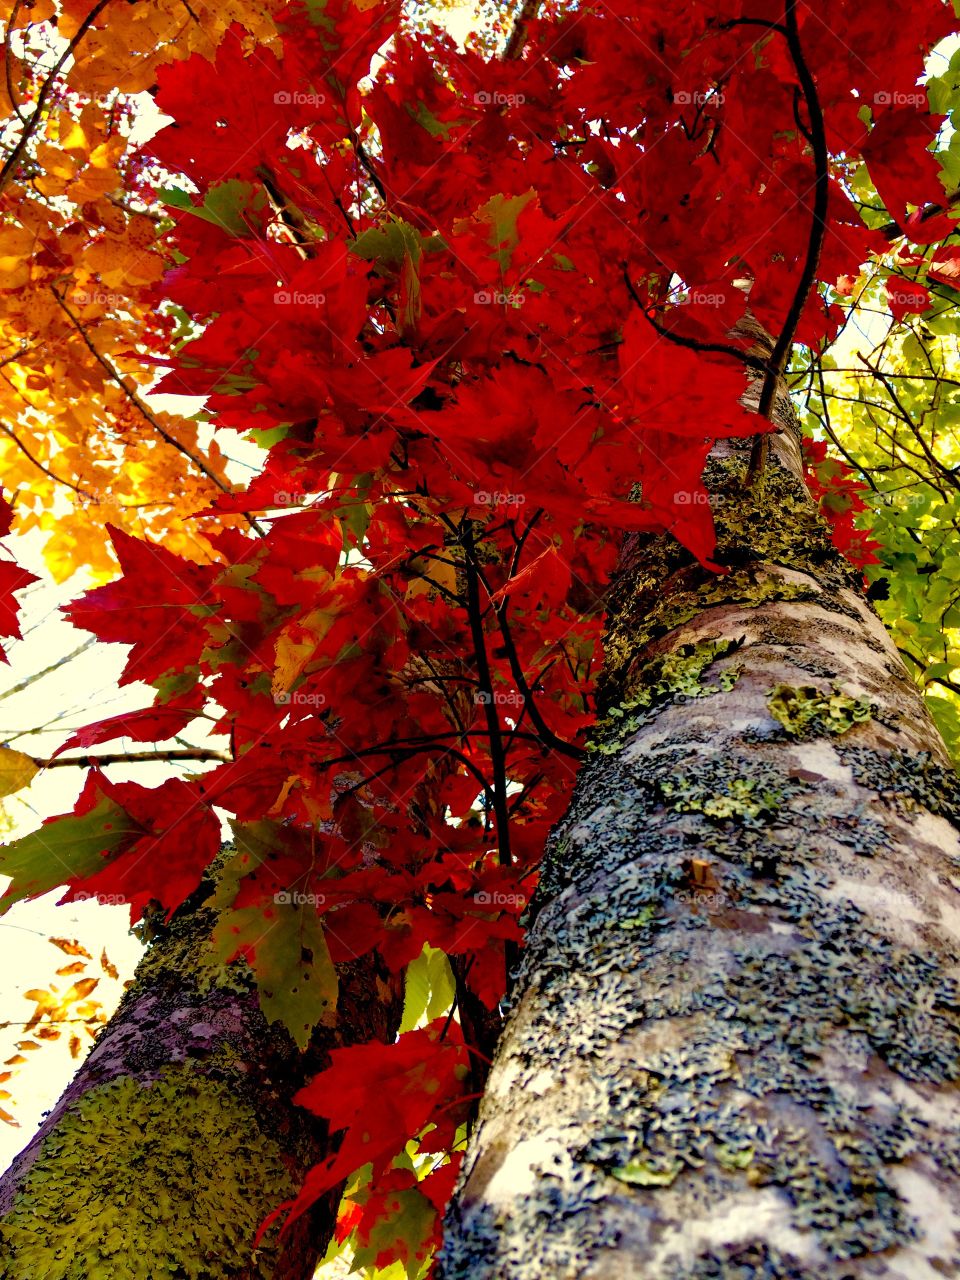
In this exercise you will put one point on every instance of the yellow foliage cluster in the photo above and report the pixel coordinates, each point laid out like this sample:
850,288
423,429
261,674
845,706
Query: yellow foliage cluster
79,446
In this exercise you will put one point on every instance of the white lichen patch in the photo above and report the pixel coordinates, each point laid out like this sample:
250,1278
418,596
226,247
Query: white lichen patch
892,909
821,757
751,1215
937,1254
524,1166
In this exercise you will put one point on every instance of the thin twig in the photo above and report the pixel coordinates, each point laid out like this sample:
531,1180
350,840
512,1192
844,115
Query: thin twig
146,413
694,344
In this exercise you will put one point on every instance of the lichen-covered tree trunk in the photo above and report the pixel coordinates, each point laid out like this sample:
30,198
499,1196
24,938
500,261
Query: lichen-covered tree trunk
178,1135
734,1040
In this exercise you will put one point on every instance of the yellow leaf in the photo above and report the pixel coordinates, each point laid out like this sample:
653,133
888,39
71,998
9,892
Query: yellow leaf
296,645
70,947
16,771
55,161
81,989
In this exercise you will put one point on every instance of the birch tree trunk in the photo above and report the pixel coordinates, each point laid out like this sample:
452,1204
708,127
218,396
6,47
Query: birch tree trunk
178,1135
733,1042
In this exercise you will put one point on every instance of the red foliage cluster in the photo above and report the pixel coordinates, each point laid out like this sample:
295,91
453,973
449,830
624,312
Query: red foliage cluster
839,496
469,304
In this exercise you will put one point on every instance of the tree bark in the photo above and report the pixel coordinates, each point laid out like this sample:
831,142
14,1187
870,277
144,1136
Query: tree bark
178,1135
734,1041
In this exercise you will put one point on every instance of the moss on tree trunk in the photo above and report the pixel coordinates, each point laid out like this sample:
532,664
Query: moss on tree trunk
178,1135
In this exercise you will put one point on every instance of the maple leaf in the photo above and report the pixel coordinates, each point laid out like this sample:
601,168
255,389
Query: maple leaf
148,725
903,170
12,579
383,1095
152,607
905,297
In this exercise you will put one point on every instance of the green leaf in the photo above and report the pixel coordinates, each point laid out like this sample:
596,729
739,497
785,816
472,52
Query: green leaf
224,205
501,214
288,954
396,248
410,1226
424,117
429,988
65,848
389,244
946,713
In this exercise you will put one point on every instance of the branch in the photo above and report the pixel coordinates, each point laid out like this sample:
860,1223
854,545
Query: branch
133,757
497,757
818,227
518,32
68,484
150,417
38,675
8,59
694,344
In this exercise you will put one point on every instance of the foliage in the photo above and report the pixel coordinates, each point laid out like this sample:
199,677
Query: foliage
59,1010
464,304
81,242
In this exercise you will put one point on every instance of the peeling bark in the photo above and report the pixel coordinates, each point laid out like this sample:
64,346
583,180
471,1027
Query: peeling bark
178,1135
734,1039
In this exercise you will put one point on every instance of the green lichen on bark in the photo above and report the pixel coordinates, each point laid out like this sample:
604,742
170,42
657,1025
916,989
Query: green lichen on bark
675,675
804,711
181,947
100,1199
760,532
910,782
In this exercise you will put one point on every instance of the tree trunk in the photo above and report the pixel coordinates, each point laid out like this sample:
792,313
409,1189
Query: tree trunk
178,1134
733,1040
